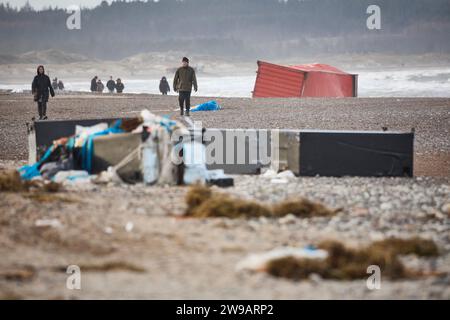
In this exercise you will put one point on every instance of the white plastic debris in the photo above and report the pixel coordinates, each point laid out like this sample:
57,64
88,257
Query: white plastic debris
129,226
107,176
216,174
194,156
287,174
53,223
150,161
269,174
108,230
71,176
83,133
258,262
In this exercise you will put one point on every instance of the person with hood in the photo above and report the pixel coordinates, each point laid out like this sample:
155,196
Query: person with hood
55,84
40,88
119,86
111,85
100,86
94,84
164,86
60,85
182,82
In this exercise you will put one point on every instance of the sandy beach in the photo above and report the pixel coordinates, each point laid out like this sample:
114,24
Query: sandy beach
168,256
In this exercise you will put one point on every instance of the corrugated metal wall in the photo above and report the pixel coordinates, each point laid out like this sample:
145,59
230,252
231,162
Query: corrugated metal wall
277,81
315,80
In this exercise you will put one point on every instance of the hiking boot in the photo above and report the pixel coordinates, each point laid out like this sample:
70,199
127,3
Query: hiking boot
187,113
181,112
45,118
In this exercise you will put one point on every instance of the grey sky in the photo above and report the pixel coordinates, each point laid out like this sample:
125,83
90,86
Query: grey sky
39,4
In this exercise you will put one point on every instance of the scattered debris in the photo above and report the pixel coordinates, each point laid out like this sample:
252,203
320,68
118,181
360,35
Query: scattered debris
302,208
108,230
111,266
10,181
203,202
343,263
54,223
22,273
207,106
71,176
259,262
49,197
416,245
129,226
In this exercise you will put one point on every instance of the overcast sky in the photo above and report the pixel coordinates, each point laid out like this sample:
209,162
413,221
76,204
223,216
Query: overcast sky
39,4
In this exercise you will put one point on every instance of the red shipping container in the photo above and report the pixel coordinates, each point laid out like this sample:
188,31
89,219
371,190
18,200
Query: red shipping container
308,80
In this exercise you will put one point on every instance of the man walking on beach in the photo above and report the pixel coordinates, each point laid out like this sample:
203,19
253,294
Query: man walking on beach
94,84
111,85
183,81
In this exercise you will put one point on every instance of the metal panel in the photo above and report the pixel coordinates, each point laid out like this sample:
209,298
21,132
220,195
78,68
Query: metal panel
47,131
237,151
274,80
340,153
277,81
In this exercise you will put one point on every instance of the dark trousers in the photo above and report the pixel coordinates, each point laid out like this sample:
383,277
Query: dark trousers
185,98
42,109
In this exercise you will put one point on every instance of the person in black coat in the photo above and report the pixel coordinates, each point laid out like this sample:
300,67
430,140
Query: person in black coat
111,85
164,86
119,86
40,89
94,84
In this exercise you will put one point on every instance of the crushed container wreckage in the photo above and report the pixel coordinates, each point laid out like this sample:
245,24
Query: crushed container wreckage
148,148
158,150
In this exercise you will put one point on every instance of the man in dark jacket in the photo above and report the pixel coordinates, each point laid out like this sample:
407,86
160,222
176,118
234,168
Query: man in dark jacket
40,89
119,86
94,84
182,82
111,85
60,85
164,86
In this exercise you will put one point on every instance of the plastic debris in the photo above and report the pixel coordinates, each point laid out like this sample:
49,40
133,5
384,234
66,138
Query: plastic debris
53,223
219,178
129,226
195,163
71,176
108,176
259,262
207,106
108,230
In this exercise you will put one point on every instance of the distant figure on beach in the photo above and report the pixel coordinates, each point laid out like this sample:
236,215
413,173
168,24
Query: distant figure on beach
100,86
111,85
119,86
55,84
40,89
94,84
164,86
182,82
60,85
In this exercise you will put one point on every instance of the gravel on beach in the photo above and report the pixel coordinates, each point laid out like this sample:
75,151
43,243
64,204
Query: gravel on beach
133,241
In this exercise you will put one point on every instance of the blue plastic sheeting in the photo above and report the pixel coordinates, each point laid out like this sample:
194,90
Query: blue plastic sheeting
87,150
207,106
28,172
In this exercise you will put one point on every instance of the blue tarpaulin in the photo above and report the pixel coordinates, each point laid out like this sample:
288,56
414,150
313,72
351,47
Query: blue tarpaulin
207,106
28,172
